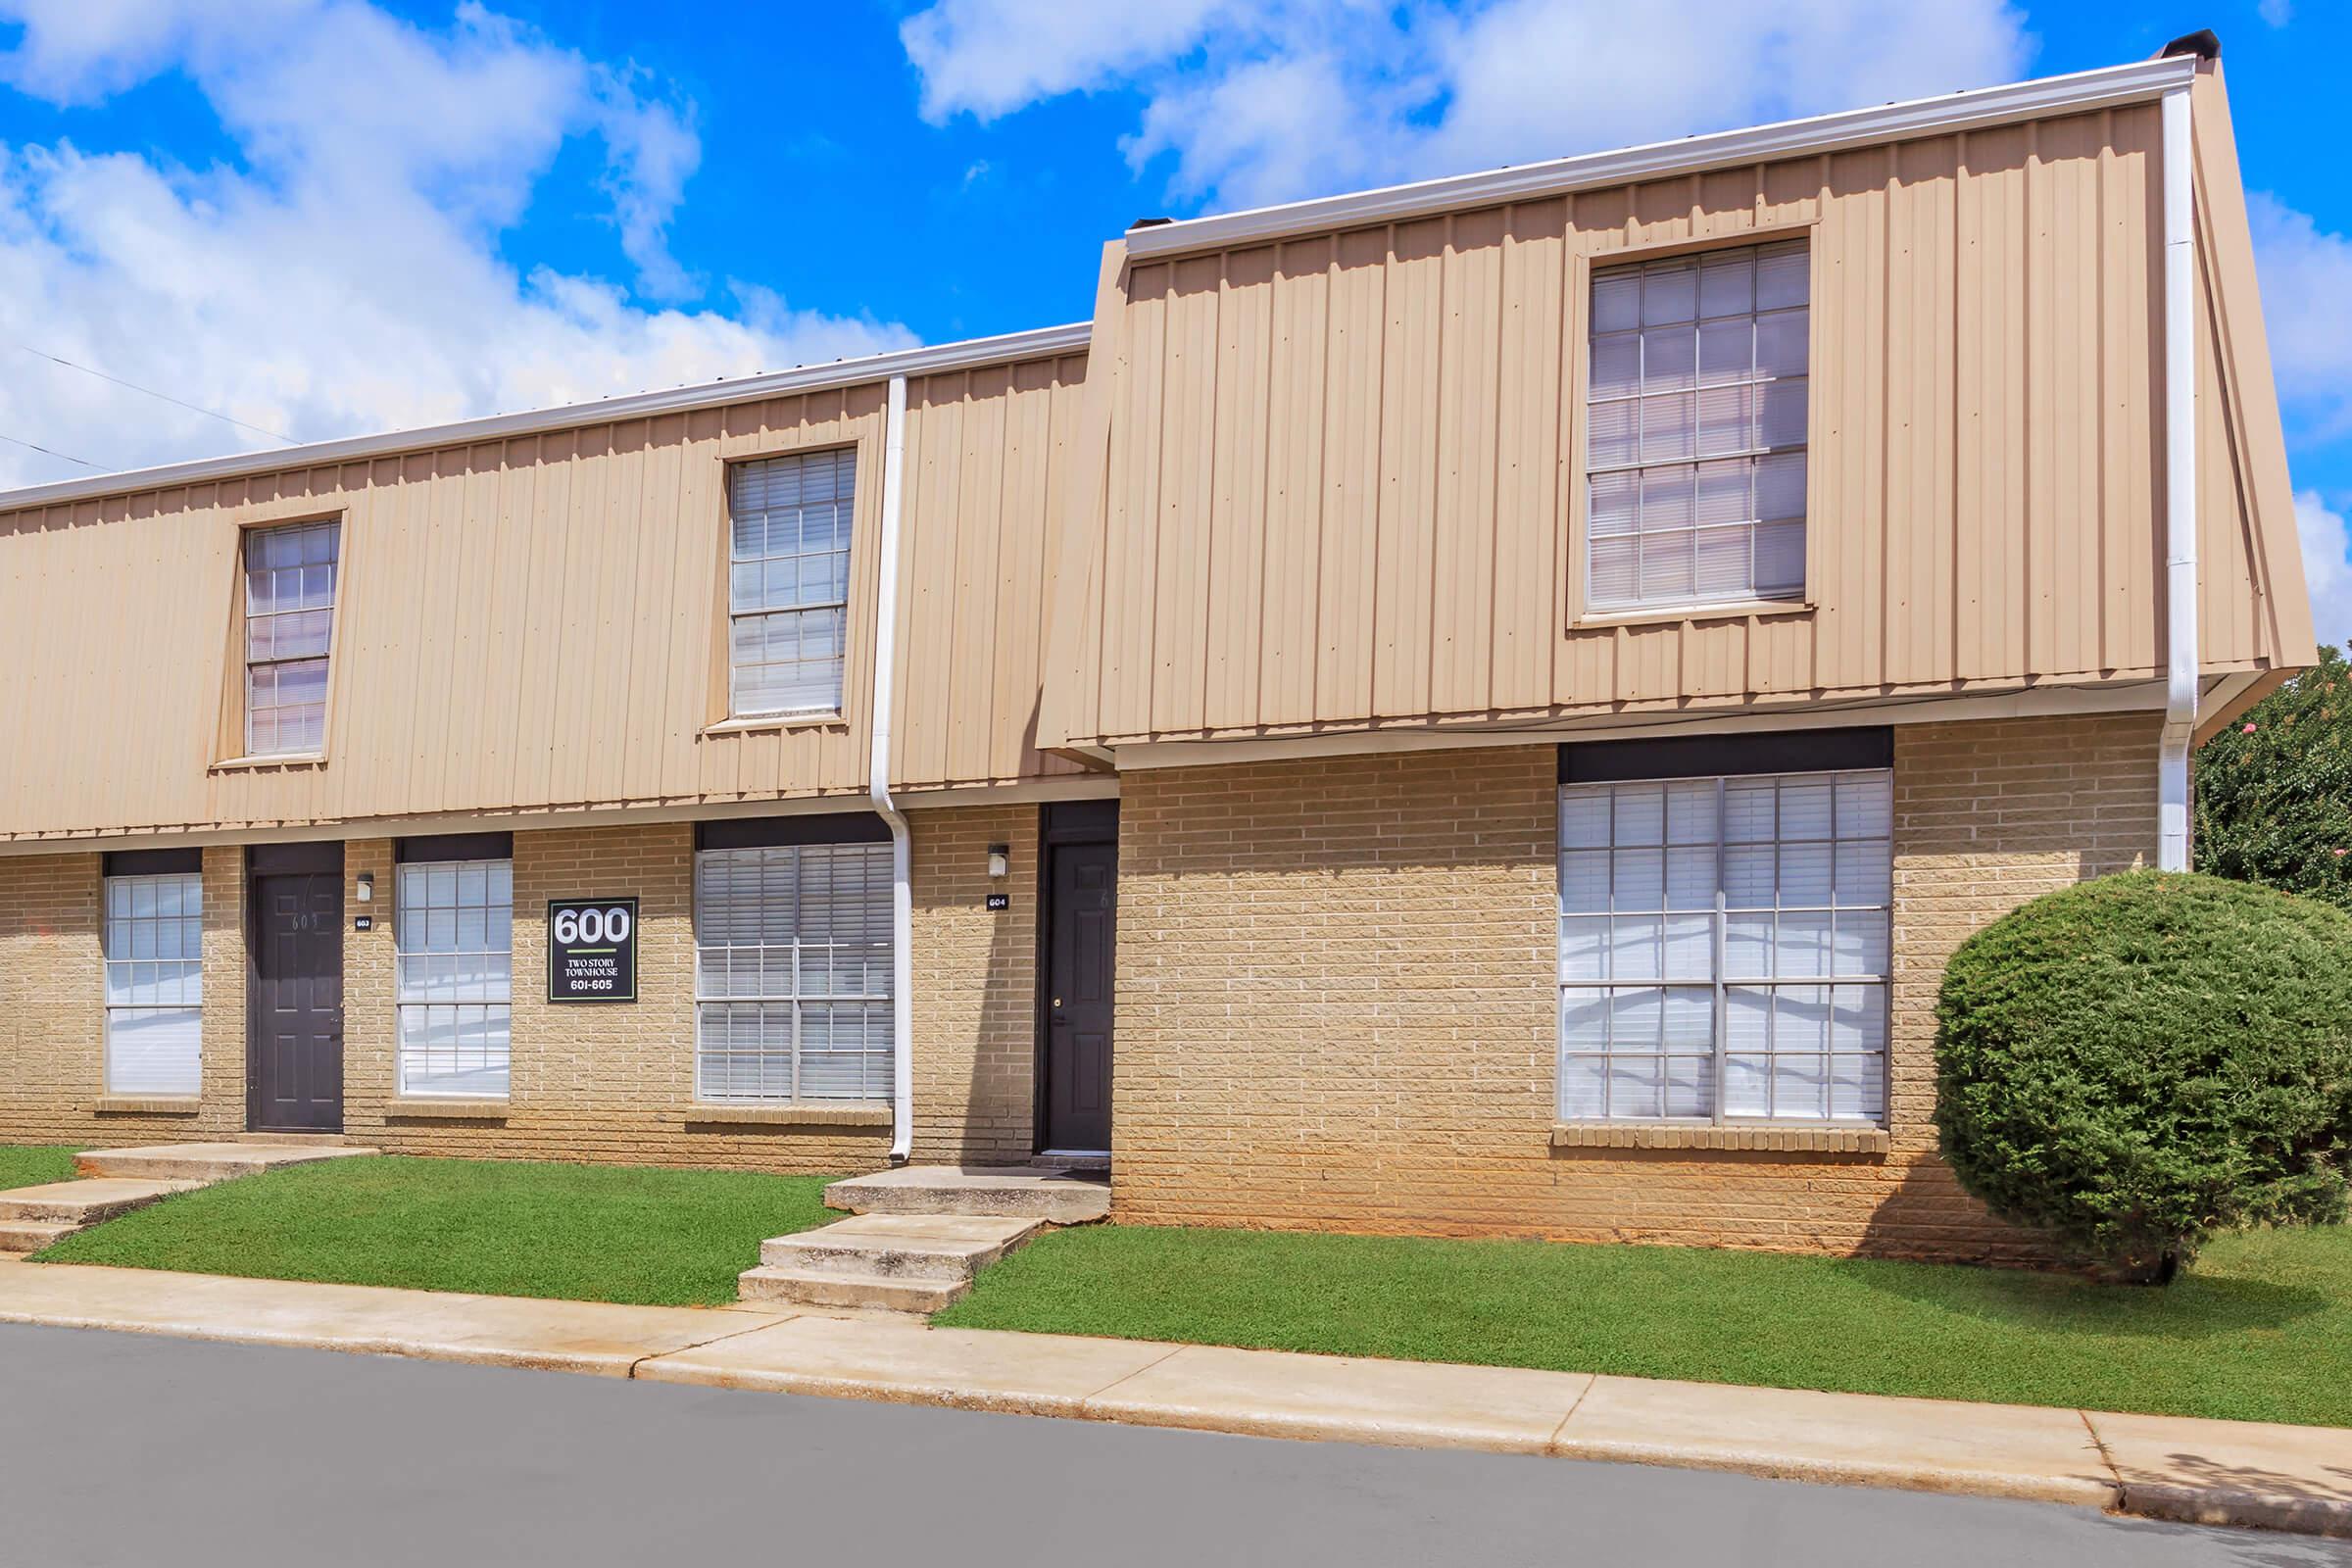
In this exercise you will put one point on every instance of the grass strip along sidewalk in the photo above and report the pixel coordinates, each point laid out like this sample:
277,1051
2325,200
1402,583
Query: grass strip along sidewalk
583,1233
2260,1330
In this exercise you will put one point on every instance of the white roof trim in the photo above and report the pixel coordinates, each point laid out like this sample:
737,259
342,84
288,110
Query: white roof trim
944,357
2082,90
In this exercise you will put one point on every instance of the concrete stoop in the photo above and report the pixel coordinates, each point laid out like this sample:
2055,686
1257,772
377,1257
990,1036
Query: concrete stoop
921,1235
895,1263
1058,1197
116,1181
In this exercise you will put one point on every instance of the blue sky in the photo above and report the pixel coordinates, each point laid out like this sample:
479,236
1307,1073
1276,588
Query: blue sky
326,215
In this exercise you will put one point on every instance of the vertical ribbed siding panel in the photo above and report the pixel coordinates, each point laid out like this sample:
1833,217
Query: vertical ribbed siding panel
542,612
1351,484
1131,548
1921,536
1846,461
1412,338
1463,518
1176,596
1292,524
1529,509
979,514
1237,511
2132,322
1992,447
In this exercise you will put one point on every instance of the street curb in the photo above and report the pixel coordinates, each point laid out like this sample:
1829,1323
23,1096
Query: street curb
1387,1404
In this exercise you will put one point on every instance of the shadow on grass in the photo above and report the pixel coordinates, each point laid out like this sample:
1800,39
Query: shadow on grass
2194,1307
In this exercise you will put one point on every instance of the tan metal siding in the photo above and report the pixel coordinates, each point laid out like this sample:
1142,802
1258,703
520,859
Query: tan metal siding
532,626
1406,399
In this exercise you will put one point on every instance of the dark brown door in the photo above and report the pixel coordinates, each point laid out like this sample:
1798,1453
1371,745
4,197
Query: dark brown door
295,1015
1082,887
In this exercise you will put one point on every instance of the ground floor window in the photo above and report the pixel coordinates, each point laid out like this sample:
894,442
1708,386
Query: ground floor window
155,984
1722,948
793,972
454,926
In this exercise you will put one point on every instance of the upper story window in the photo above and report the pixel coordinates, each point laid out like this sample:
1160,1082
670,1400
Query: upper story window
1696,419
789,581
289,622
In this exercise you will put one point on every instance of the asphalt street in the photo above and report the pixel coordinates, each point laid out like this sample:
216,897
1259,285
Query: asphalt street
129,1450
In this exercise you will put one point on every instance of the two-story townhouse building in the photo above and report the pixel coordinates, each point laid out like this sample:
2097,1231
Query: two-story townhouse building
1481,707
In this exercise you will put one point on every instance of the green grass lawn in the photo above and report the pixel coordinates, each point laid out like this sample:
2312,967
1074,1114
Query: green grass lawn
588,1233
32,1164
2260,1329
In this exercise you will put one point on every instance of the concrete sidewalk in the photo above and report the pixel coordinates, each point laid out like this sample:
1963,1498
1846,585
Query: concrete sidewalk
2206,1472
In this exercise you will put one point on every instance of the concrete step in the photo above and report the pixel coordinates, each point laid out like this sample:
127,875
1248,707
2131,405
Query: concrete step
85,1203
204,1162
21,1236
1058,1197
928,1246
807,1288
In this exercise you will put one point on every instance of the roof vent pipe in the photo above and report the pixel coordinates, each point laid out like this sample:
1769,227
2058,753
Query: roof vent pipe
2179,488
901,901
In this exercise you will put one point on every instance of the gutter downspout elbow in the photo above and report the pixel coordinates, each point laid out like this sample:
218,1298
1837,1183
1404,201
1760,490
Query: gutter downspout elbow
2179,488
902,900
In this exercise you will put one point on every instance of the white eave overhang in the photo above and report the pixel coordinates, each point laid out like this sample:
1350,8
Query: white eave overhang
875,369
2141,81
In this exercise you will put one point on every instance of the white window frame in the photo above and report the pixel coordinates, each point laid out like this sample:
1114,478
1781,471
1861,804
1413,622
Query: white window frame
1871,909
775,975
802,611
264,616
1770,411
126,971
420,998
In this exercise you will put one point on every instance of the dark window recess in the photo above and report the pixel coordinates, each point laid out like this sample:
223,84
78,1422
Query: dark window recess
1082,822
777,832
455,847
153,862
1803,751
272,860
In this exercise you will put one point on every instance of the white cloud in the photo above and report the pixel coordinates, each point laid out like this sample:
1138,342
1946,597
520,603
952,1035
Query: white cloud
2306,273
2326,565
2277,13
1266,100
345,274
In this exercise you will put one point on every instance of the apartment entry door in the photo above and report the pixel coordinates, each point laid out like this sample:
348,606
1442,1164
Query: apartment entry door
294,993
1081,884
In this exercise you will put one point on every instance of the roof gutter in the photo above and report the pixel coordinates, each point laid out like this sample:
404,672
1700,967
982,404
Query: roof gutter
2139,81
901,897
2180,484
901,362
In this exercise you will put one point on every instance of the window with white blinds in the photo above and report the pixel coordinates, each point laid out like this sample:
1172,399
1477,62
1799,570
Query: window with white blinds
1695,452
1724,948
793,973
789,581
289,622
454,927
155,984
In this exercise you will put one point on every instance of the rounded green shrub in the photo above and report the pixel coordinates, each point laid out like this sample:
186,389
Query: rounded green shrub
2137,1061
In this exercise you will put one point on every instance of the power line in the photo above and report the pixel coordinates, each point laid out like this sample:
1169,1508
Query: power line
49,453
212,414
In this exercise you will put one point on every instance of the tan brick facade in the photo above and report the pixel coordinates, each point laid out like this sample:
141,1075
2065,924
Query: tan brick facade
603,1083
1335,1002
1337,1005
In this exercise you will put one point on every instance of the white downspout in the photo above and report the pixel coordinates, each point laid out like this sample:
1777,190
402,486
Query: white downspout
2179,488
902,899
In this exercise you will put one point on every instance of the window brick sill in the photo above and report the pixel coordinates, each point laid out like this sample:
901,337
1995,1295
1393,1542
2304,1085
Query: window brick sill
1758,1140
848,1113
147,1104
425,1107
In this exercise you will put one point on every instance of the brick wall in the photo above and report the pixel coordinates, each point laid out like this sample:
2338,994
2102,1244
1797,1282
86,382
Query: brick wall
1337,1005
610,1083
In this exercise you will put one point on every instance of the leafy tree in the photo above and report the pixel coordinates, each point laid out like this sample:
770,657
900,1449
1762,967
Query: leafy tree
2274,802
2133,1062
